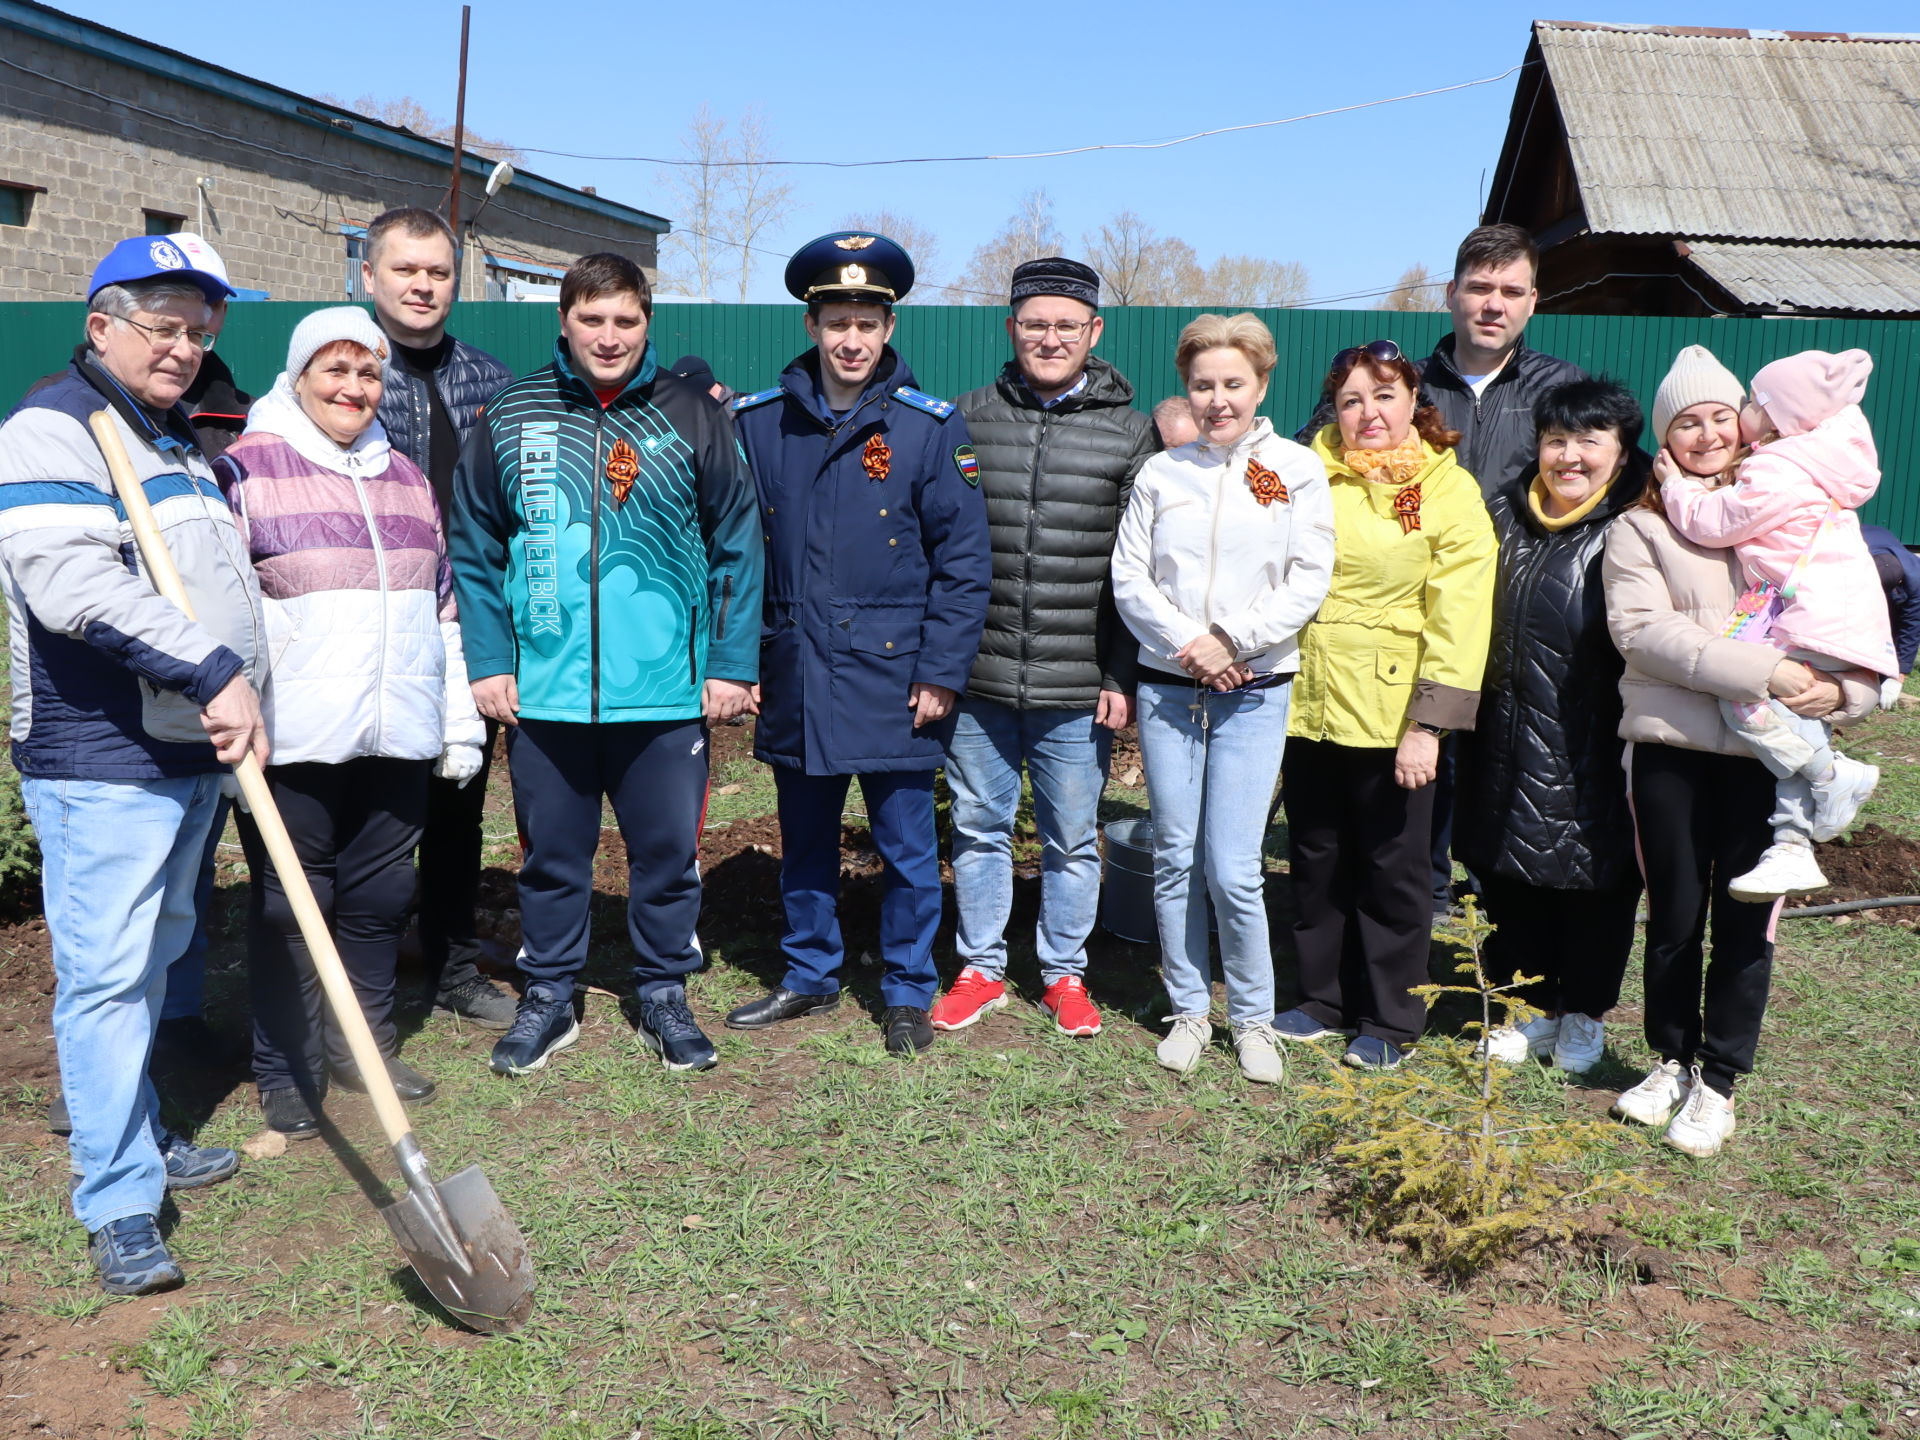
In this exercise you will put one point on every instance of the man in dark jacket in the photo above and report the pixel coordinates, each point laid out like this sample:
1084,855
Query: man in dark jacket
1483,377
435,386
877,575
1486,382
1060,443
609,580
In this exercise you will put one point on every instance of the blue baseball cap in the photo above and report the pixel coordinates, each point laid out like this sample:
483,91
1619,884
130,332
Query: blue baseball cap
154,257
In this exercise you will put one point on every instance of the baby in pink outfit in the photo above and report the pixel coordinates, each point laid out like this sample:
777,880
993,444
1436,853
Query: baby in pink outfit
1789,516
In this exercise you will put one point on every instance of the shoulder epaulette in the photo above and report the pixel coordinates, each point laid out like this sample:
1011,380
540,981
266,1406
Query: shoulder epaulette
920,400
759,397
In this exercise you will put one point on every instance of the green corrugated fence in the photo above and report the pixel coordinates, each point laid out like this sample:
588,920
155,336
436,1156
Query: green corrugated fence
954,348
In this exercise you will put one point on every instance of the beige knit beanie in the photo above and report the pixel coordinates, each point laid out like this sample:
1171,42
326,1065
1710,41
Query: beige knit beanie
1695,379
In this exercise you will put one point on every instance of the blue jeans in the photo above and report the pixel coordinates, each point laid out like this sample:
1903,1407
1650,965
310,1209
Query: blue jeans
1066,757
1211,789
900,813
187,975
119,863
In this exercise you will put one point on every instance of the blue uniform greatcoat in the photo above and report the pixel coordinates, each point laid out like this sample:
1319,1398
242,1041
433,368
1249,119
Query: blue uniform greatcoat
873,581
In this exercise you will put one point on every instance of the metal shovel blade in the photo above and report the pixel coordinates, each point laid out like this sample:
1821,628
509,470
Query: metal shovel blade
466,1250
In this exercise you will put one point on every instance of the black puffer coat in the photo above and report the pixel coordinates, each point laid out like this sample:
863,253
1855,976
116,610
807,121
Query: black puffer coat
1055,481
1540,794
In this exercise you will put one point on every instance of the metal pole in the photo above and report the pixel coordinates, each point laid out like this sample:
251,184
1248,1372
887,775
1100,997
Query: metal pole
459,145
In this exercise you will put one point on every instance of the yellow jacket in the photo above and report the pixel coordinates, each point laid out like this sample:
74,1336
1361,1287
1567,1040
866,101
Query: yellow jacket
1403,633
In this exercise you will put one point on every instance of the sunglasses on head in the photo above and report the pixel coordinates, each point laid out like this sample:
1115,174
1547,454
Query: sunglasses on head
1385,351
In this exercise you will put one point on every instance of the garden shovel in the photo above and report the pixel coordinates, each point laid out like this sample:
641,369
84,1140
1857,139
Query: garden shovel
455,1233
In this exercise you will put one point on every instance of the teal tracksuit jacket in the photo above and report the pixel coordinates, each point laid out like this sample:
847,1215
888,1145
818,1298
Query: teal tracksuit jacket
608,558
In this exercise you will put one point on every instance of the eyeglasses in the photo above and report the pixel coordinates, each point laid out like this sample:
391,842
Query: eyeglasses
1385,351
1068,330
165,337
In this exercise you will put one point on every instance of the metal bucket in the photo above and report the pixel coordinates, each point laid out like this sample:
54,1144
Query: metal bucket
1126,882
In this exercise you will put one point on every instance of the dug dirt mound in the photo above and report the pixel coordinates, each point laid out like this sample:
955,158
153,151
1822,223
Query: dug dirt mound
1869,864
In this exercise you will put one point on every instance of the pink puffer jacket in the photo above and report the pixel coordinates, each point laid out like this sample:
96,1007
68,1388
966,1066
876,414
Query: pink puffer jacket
1773,511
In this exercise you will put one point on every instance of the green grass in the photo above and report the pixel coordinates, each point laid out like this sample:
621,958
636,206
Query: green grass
1016,1236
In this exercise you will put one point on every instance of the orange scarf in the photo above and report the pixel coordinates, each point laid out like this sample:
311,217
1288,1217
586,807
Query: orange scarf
1397,466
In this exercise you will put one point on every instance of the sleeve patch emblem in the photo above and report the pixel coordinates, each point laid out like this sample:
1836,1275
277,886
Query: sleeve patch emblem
968,464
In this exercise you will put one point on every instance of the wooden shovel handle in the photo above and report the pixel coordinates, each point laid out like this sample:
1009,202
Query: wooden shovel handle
266,814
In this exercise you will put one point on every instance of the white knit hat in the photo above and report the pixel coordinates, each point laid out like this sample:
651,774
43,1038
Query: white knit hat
323,327
1695,379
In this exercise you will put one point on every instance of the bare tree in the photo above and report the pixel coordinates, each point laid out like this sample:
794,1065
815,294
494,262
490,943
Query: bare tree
1416,289
409,114
917,240
1029,234
757,200
1140,267
1120,251
1249,280
694,255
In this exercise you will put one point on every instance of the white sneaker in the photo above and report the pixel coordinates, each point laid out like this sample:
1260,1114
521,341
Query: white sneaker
1581,1043
1258,1049
1836,802
1788,868
1654,1099
1704,1122
1186,1044
1515,1043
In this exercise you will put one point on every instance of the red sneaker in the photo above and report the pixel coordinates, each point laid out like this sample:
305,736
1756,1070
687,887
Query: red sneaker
972,996
1066,1000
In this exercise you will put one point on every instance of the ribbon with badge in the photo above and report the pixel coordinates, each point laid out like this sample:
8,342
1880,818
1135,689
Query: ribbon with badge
877,458
623,468
1406,506
1265,484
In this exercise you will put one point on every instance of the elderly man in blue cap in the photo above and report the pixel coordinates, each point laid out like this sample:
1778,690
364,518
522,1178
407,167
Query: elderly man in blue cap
126,715
876,592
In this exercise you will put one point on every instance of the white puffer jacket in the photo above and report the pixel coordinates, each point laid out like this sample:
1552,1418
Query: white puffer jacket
364,653
1197,548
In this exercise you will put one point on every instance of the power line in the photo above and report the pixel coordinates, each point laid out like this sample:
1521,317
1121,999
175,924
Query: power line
1050,154
314,158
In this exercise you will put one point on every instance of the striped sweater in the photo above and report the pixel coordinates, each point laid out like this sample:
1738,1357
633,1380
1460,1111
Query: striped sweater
363,637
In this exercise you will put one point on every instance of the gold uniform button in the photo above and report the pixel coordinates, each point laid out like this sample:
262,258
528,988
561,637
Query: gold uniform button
883,511
889,644
893,542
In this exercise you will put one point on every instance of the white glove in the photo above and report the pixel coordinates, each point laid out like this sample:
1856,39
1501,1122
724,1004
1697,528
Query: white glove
1890,689
459,763
230,788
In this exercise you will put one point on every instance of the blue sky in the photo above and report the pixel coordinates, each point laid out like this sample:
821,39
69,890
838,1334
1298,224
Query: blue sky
1354,198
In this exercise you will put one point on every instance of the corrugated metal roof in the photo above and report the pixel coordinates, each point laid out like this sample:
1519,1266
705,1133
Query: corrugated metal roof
1740,134
1814,277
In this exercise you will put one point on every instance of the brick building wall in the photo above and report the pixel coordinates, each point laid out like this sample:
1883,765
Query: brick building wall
109,142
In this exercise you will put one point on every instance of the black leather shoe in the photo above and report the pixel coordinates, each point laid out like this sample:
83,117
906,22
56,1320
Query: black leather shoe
412,1087
909,1030
780,1004
288,1112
